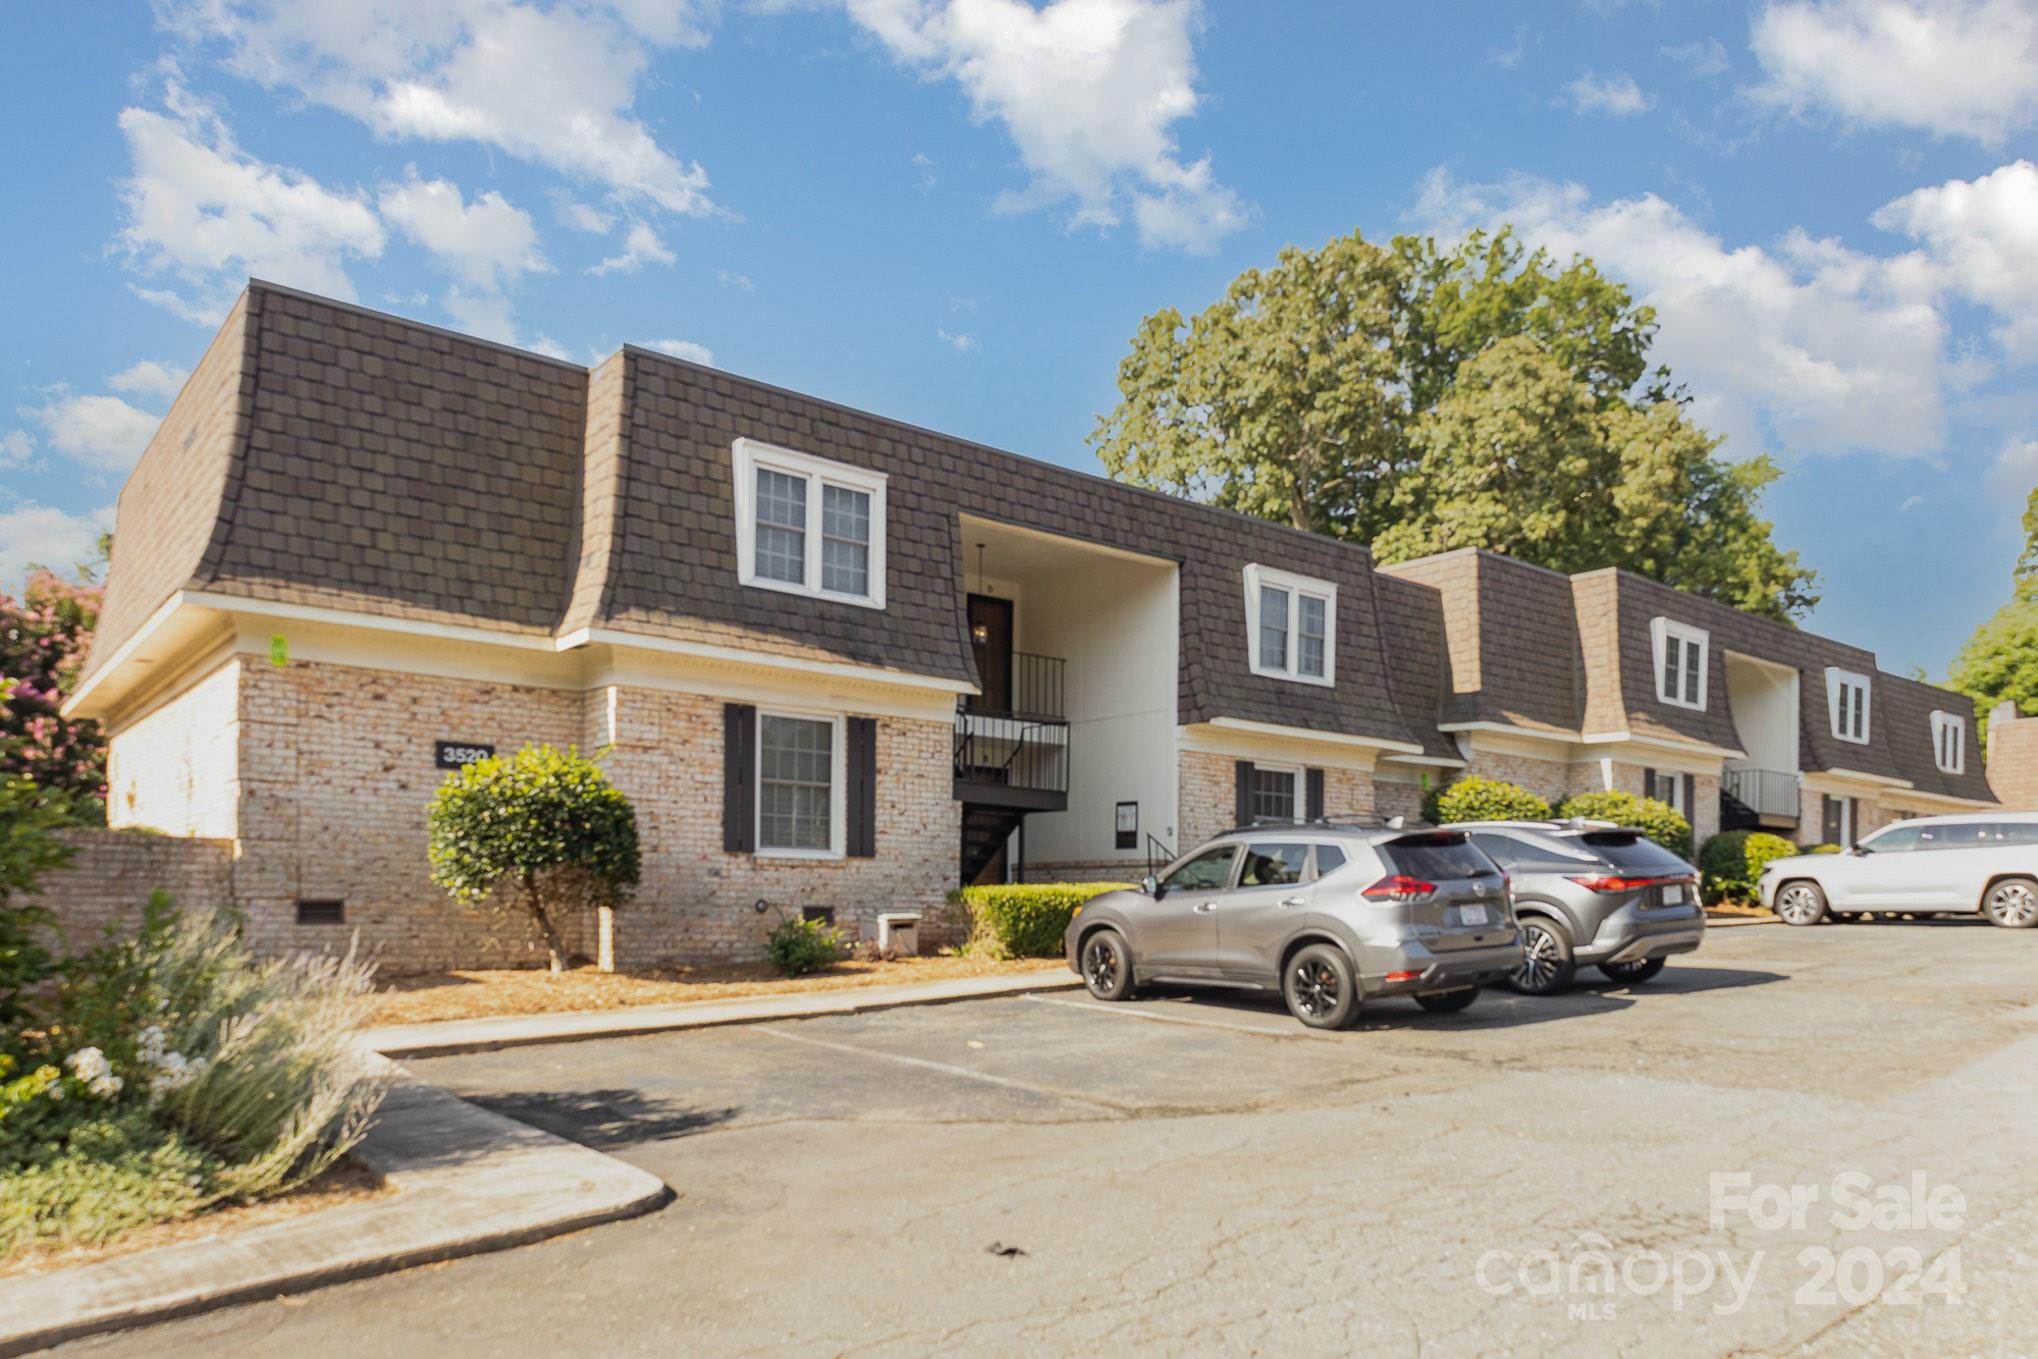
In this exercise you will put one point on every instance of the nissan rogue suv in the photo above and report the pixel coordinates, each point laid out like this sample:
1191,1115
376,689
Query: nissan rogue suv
1590,893
1329,915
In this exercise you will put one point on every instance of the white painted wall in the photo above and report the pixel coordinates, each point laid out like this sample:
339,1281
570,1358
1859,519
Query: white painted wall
1763,701
1116,622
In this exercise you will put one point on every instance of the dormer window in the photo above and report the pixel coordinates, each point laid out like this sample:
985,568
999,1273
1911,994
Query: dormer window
1291,626
1949,742
1680,662
1847,704
808,526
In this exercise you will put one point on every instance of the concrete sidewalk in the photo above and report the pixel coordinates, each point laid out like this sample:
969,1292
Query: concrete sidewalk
466,1181
502,1031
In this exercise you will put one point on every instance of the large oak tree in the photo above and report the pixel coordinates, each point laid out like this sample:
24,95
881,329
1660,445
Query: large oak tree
1422,399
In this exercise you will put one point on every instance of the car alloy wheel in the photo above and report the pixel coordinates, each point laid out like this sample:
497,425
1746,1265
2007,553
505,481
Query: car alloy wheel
1800,904
1544,959
1107,966
2012,904
1316,988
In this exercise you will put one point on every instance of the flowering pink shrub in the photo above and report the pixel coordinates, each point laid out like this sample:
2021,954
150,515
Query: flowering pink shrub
43,639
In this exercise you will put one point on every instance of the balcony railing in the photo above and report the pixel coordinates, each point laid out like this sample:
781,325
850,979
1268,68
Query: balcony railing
1037,690
1771,793
1016,754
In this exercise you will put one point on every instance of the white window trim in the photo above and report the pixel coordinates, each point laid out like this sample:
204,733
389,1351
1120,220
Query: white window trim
1676,798
1257,576
838,785
1296,781
1836,682
1942,723
746,456
1661,631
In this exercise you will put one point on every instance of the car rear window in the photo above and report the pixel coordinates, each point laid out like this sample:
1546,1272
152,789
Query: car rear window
1633,851
1438,858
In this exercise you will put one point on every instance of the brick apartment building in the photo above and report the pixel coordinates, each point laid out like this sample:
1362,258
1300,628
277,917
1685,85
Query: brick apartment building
839,663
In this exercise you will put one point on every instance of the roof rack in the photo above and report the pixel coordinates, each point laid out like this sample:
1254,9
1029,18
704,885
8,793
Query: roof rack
1394,823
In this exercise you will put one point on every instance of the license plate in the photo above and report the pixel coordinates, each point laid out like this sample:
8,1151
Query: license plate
1674,894
1472,915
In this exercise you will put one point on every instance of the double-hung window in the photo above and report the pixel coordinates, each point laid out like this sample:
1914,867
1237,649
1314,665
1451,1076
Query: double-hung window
1949,742
799,782
1276,793
809,526
1291,626
1847,704
1680,662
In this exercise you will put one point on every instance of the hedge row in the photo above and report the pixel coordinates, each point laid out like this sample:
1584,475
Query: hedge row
1022,920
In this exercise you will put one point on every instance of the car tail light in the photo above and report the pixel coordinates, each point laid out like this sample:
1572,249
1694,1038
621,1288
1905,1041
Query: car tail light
1398,887
1402,976
1615,885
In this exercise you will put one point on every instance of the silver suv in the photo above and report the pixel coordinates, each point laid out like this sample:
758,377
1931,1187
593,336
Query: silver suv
1328,914
1591,892
1967,863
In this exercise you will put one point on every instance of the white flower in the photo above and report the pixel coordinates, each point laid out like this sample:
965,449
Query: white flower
89,1064
56,1092
149,1044
174,1072
105,1087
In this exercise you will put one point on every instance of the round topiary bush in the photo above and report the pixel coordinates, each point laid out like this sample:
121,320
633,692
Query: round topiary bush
1477,799
1733,860
1658,820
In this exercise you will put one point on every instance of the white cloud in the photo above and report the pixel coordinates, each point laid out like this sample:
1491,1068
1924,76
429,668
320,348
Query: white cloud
1703,59
1510,57
39,535
207,214
103,432
1910,502
485,244
640,247
740,282
2015,470
1804,346
1617,96
156,379
684,349
555,85
1984,234
15,448
1088,90
581,217
1953,67
961,343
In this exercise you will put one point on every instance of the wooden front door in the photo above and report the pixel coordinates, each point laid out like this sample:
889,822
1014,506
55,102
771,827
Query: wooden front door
993,617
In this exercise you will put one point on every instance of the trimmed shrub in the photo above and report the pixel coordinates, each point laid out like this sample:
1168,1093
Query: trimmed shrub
1022,920
542,832
1478,799
1818,849
797,946
1658,820
1733,861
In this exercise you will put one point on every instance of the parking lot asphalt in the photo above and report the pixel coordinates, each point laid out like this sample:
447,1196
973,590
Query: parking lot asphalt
1613,1171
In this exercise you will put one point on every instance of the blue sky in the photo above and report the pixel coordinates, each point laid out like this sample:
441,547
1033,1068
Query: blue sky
955,212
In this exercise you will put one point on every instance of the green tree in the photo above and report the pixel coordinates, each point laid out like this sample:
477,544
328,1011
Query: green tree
2000,661
542,833
43,640
1420,399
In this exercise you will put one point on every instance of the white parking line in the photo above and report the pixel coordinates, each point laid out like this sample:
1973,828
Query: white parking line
947,1069
1126,1012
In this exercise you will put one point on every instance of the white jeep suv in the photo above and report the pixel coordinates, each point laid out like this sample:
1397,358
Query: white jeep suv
1986,862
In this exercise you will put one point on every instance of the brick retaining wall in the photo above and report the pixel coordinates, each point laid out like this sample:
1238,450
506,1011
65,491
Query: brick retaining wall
113,872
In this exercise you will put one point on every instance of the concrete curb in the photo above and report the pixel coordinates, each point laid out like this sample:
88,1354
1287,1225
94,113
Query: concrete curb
466,1181
1727,922
448,1036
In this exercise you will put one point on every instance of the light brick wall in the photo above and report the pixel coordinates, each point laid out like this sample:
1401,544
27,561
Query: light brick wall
1552,780
1397,799
113,872
174,769
2013,758
1209,795
1705,817
337,768
697,902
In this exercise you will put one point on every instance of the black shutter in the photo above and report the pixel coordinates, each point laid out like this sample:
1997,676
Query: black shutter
1648,783
1313,800
862,791
1244,809
1829,819
739,778
1691,798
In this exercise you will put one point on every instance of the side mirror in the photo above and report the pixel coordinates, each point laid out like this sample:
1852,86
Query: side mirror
1151,886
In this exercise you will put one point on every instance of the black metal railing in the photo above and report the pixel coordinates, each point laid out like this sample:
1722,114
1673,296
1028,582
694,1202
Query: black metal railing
1003,750
1036,689
1166,856
1763,792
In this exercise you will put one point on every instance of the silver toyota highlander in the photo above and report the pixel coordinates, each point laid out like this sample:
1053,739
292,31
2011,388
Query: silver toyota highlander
1328,914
